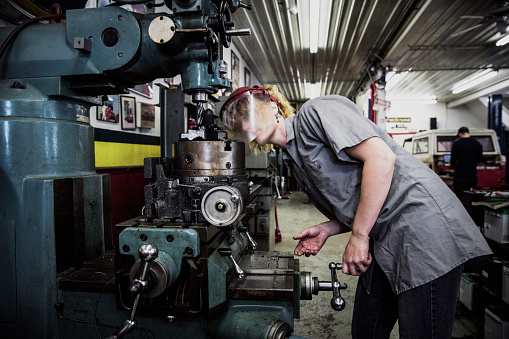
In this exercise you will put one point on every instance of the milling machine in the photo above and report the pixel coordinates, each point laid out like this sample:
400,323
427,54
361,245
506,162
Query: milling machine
187,266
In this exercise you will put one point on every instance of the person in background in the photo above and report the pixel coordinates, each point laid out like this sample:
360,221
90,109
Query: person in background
465,154
410,237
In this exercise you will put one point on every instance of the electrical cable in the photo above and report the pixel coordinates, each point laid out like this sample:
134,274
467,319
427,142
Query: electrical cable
10,39
97,304
96,322
494,188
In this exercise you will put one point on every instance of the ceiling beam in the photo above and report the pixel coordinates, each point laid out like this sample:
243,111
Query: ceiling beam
413,13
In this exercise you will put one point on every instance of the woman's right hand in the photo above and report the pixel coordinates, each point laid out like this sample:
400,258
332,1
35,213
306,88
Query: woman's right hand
313,238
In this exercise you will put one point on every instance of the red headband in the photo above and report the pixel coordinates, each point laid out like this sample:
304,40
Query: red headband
239,92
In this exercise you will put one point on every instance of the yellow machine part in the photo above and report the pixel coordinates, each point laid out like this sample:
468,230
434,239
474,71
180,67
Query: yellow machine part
31,7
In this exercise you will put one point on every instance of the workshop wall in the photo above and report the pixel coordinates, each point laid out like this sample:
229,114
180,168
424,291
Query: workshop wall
473,115
418,114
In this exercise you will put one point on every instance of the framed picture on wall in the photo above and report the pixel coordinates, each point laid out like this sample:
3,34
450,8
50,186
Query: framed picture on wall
247,77
109,111
147,115
235,71
128,112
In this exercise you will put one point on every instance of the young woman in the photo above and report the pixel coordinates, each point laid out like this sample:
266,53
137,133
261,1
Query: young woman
410,236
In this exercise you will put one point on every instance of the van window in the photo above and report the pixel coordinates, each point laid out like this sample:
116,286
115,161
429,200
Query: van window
444,142
486,141
420,146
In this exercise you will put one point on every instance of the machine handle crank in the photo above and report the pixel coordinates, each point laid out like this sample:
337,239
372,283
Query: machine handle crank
147,253
245,5
238,32
310,286
337,302
252,243
227,252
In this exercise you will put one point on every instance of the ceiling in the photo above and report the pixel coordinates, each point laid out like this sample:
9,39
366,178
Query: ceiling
360,38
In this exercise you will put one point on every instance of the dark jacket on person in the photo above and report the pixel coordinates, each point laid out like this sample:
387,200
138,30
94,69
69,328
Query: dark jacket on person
465,154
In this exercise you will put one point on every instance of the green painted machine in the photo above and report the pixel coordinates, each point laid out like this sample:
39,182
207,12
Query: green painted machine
186,267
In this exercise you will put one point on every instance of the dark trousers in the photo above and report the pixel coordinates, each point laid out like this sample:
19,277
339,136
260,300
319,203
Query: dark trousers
461,184
426,311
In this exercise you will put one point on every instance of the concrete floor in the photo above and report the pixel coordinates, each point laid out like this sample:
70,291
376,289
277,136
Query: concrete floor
318,320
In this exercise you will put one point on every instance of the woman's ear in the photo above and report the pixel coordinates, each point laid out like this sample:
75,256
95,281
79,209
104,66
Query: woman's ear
274,107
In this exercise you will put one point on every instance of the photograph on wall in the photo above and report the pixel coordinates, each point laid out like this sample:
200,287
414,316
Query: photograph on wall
110,109
128,112
144,89
147,115
247,77
235,71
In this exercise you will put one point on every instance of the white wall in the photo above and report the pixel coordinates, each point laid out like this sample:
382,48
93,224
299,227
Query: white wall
419,114
472,114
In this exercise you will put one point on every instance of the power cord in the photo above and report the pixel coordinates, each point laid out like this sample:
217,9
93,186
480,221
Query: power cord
493,190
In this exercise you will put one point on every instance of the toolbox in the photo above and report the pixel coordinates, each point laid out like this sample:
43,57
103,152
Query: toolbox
496,225
496,323
505,283
491,277
467,294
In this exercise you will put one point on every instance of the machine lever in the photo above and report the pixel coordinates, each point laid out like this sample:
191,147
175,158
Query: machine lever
147,253
252,243
227,252
244,5
337,302
238,32
310,286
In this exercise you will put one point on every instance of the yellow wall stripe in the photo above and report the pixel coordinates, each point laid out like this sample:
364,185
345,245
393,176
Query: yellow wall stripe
112,154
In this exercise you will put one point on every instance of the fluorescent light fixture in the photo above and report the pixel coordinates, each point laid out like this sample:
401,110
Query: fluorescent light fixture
424,100
314,22
417,101
475,80
471,78
503,41
313,90
393,78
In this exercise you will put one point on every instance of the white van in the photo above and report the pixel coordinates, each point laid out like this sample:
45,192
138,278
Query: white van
433,147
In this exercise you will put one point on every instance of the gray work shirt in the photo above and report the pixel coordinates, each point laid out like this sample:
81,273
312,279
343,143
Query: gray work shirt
422,231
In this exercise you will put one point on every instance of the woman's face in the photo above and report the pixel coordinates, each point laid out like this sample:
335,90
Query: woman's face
264,125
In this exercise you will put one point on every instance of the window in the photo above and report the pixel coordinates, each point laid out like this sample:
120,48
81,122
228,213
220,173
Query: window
486,142
420,146
444,142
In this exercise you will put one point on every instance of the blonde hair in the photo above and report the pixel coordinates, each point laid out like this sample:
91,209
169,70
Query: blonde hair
286,110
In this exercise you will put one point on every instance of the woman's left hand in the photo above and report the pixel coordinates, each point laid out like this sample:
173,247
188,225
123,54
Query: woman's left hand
356,258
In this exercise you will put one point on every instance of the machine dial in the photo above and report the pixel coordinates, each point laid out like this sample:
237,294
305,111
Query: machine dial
221,205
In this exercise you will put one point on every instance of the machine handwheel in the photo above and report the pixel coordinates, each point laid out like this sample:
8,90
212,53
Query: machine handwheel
225,19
